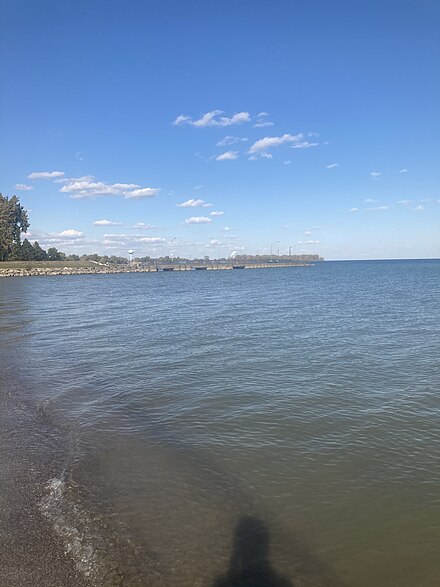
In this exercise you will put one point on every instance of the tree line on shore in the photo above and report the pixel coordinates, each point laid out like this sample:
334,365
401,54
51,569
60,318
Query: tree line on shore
14,221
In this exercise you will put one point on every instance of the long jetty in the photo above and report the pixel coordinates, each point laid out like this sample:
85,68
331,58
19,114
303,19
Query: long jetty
100,269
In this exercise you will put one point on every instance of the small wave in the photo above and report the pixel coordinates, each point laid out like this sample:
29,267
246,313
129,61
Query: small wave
81,537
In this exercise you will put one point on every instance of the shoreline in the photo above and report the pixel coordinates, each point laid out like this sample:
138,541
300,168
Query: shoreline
31,553
104,270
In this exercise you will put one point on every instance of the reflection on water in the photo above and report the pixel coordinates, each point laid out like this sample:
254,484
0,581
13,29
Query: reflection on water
250,565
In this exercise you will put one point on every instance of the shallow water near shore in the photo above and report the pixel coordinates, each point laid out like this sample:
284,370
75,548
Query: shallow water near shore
287,417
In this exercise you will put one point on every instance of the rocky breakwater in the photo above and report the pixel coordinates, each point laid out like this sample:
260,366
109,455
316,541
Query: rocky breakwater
42,271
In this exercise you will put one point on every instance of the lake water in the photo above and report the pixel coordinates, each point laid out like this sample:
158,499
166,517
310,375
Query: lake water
219,426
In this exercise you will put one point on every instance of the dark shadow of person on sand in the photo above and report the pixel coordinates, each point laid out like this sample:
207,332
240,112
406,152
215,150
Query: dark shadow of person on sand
249,565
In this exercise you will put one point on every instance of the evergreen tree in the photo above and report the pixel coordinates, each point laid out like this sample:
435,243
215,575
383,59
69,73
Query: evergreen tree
27,251
39,253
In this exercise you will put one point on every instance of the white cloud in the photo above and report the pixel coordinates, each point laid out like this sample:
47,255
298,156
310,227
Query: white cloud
115,236
106,223
262,120
260,148
142,193
377,208
198,220
404,170
88,187
213,118
369,201
375,174
216,213
215,242
304,145
332,165
231,141
406,202
354,210
262,123
22,187
310,242
71,233
152,239
227,156
419,208
287,162
45,174
192,203
144,226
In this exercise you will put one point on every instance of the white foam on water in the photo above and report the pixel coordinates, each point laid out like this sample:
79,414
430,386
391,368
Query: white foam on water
81,538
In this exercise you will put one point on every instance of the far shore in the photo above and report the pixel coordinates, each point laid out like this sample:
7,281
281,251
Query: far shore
30,269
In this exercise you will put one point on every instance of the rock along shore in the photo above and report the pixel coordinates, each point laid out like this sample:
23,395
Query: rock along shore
100,270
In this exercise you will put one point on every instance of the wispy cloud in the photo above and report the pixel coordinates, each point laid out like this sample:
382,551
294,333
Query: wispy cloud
354,210
375,174
213,118
144,226
22,187
106,223
229,140
419,208
152,239
377,208
71,233
309,242
369,201
227,156
404,170
45,174
261,147
198,220
88,187
332,165
216,213
406,202
192,203
304,145
262,121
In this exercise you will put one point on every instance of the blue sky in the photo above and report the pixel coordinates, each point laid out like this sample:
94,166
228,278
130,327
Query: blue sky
203,128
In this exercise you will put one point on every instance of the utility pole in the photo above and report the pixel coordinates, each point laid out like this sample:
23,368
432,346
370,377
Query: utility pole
271,255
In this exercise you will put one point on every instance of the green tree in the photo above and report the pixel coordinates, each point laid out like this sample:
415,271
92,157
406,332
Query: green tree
27,251
13,221
53,254
39,253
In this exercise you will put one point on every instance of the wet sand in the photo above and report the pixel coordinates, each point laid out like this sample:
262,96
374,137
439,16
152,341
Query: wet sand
30,552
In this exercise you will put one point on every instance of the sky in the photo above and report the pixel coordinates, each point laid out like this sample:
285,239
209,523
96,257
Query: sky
214,128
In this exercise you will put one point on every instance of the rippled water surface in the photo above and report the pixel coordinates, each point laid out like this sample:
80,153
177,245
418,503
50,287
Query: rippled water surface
281,422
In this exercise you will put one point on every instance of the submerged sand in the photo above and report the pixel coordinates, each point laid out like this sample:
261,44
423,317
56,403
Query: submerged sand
30,552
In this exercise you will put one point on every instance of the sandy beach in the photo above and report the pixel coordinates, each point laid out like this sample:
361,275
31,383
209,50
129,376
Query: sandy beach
30,552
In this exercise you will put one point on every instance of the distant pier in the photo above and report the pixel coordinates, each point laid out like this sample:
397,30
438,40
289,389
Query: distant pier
99,269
